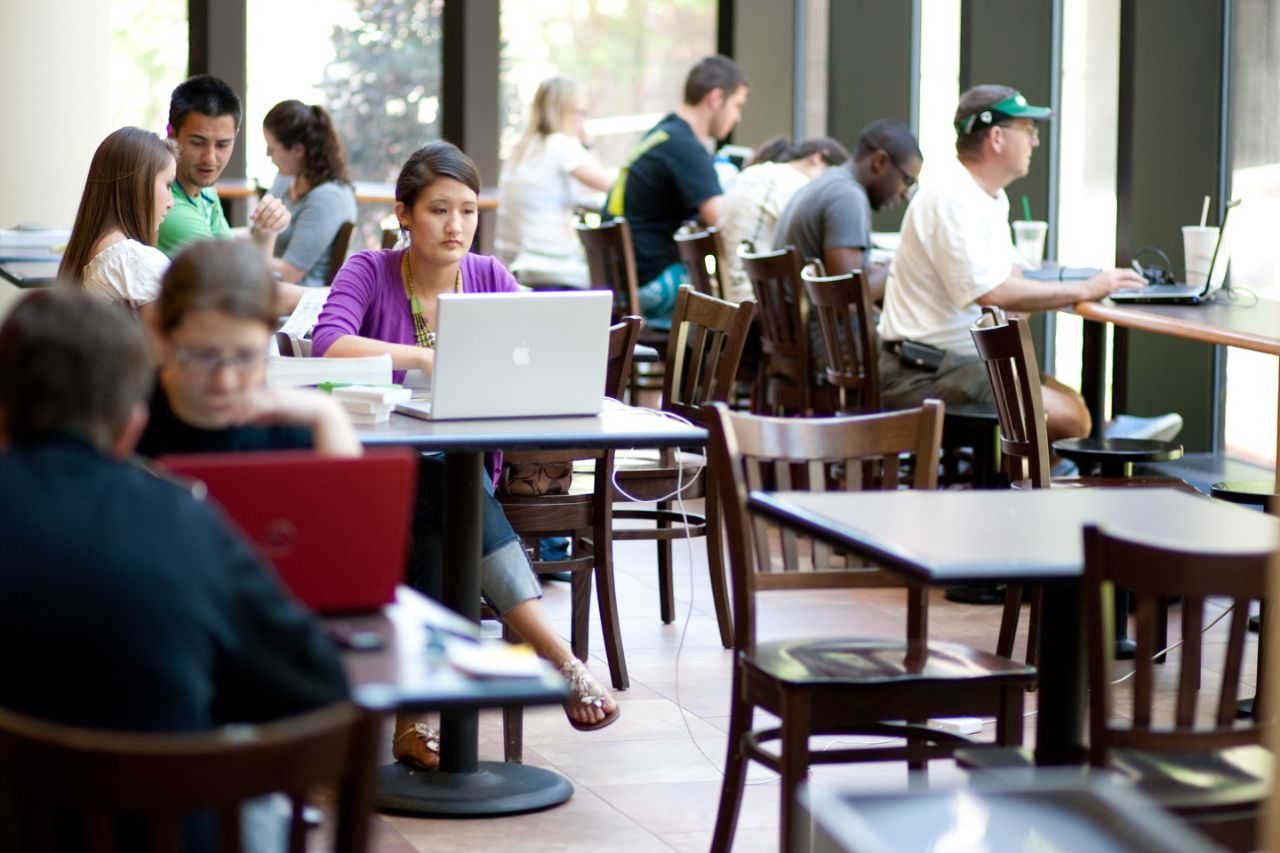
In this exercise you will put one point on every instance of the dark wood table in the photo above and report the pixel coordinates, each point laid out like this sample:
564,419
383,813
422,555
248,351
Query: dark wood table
30,273
1034,535
464,785
1244,323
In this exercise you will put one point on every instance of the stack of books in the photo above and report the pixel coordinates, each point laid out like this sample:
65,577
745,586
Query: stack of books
368,404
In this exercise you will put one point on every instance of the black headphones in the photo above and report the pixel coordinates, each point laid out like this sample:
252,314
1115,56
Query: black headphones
1158,269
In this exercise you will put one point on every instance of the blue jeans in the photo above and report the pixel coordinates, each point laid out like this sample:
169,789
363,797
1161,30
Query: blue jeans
506,578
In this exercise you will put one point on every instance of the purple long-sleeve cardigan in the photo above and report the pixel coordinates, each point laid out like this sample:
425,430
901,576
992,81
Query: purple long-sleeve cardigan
368,300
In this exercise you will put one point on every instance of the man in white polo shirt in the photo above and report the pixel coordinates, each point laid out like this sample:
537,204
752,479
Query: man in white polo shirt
957,255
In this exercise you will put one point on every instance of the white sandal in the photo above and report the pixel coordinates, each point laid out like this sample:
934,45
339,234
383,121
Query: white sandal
586,692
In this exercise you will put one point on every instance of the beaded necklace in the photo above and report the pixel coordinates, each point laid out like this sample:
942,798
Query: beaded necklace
426,338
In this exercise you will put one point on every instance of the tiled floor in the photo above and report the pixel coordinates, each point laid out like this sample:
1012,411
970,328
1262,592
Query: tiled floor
652,780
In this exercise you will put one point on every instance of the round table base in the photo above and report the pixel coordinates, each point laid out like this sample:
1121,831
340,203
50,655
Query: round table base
495,789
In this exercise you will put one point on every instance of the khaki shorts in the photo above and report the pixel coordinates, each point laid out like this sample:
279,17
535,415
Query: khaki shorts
959,379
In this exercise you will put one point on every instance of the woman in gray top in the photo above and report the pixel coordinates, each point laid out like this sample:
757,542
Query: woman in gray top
314,186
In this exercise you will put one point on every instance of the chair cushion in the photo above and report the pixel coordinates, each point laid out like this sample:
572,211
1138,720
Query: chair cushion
879,661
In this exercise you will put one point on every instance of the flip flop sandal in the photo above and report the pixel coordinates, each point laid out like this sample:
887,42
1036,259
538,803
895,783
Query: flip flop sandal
402,751
585,691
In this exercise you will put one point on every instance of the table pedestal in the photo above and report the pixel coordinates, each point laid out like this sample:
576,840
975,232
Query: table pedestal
1060,721
493,789
465,786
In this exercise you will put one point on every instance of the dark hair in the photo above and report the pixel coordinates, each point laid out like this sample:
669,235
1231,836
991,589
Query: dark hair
70,363
772,150
833,153
294,123
973,101
202,94
120,192
231,277
712,72
889,136
431,162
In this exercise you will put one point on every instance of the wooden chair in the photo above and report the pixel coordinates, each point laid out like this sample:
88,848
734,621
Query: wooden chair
844,309
846,317
585,515
1006,348
837,685
707,337
611,261
64,787
1214,774
338,254
703,256
787,382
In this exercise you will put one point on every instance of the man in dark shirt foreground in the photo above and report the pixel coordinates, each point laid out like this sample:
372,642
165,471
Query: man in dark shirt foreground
125,603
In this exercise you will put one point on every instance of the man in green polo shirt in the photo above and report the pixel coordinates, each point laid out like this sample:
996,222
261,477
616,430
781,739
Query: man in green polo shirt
204,118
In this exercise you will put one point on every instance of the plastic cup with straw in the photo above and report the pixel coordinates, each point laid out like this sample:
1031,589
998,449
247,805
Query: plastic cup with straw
1198,243
1028,236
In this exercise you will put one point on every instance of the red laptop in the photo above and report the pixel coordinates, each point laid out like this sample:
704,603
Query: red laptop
335,529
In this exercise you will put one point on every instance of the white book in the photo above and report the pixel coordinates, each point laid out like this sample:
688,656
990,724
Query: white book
364,418
367,407
285,372
386,396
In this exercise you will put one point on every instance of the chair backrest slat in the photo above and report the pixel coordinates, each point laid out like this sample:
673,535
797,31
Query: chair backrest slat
704,350
611,262
1005,347
338,254
1153,573
742,445
622,346
787,371
842,304
703,256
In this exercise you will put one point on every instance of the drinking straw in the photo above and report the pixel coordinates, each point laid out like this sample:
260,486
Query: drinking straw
1204,212
1026,209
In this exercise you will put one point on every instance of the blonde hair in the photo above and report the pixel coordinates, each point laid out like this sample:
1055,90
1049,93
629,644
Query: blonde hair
555,99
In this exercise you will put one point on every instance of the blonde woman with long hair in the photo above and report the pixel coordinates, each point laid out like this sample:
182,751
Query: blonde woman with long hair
549,171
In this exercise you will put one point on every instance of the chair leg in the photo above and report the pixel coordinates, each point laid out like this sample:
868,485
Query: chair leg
512,718
513,734
666,587
580,619
794,746
607,601
1009,620
1033,625
715,565
735,767
1010,723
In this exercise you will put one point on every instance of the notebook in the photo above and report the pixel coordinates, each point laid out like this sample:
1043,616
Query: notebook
1182,293
515,355
334,529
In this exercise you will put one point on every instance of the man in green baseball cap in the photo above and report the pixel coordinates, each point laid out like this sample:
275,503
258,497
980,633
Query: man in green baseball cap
957,255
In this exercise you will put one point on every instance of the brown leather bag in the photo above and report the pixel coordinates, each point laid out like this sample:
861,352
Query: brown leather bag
530,479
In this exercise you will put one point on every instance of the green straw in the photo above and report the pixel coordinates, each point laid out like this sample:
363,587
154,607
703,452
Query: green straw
1026,209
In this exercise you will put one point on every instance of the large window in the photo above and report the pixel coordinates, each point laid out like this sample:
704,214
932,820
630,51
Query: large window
148,58
630,55
1087,144
939,83
1250,426
375,66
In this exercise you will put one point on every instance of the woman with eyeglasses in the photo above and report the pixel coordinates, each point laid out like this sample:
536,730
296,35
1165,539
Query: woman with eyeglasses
212,321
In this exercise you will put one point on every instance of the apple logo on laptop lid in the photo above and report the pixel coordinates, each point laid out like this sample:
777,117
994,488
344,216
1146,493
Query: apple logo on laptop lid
520,355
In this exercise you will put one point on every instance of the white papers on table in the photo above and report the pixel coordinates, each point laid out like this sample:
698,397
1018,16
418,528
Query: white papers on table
304,317
492,659
284,372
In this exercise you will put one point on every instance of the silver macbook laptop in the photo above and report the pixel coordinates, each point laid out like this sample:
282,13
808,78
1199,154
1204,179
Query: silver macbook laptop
514,355
1182,293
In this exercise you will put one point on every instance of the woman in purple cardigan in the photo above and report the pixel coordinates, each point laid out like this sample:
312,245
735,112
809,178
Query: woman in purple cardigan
386,302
